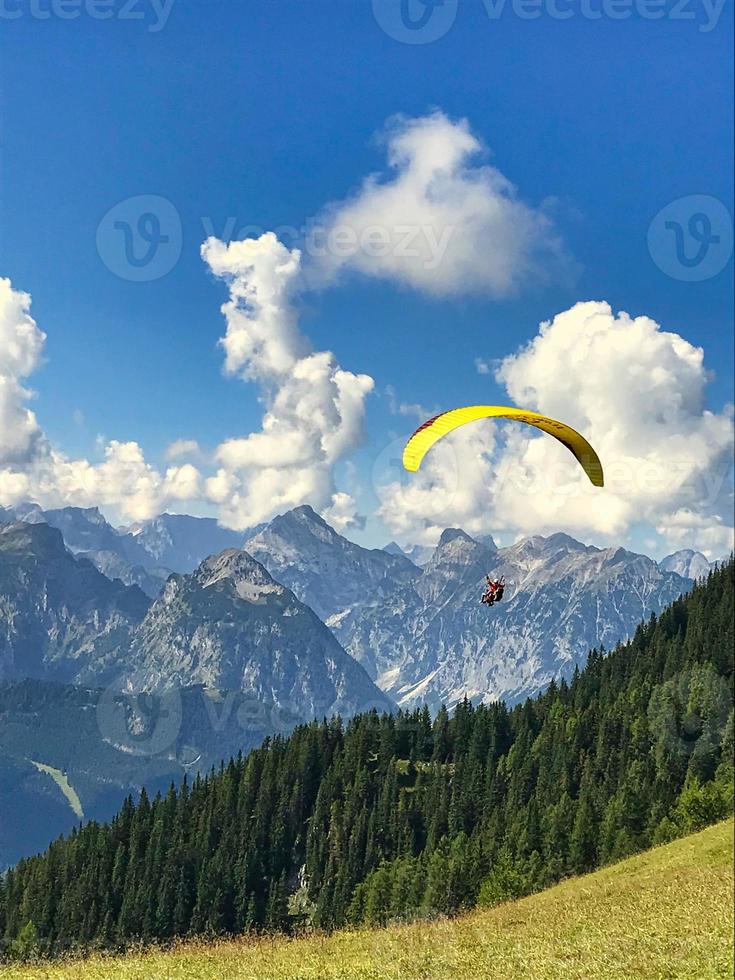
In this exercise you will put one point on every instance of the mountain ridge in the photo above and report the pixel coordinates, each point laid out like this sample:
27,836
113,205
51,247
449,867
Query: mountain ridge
424,636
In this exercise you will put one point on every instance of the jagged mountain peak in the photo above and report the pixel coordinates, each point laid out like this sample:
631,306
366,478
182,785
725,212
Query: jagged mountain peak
305,512
179,542
456,547
28,511
301,550
302,523
454,534
431,640
228,625
560,539
91,514
60,618
616,556
245,577
536,550
232,561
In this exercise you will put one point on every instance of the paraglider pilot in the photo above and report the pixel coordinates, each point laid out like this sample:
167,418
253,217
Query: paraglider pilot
493,591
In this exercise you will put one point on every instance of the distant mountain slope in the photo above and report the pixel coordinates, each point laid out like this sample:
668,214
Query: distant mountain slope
60,618
87,534
232,656
144,554
231,625
687,563
109,746
324,569
422,633
434,641
179,542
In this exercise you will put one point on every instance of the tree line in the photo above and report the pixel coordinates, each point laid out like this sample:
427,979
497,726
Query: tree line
400,816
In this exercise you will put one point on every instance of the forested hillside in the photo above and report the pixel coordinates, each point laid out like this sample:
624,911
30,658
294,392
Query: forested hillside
402,816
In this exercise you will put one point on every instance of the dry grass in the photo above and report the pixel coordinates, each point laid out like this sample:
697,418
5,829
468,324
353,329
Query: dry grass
664,914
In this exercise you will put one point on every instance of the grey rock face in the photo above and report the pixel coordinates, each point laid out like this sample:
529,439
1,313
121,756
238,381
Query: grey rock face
231,626
144,554
324,569
688,564
434,641
178,542
60,618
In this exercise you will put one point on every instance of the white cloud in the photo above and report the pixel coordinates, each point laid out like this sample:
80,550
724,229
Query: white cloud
314,410
262,338
21,348
637,392
342,512
452,489
442,223
182,447
313,413
30,467
182,483
123,483
438,221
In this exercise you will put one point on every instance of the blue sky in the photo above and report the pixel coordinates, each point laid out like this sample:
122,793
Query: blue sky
262,113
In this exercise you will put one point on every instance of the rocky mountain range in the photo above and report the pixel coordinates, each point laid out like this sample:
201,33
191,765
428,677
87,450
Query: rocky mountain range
185,649
144,554
103,690
178,542
413,622
228,625
422,634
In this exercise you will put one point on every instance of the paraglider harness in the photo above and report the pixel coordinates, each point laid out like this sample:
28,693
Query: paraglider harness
494,591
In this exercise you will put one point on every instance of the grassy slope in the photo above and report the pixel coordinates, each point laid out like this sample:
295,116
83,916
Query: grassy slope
667,913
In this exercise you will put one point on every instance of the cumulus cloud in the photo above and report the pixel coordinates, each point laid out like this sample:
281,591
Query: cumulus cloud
182,447
438,221
442,221
30,467
313,409
21,348
342,513
637,392
313,413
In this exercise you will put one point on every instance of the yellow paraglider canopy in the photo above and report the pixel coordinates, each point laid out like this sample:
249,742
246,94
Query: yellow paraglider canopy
434,429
